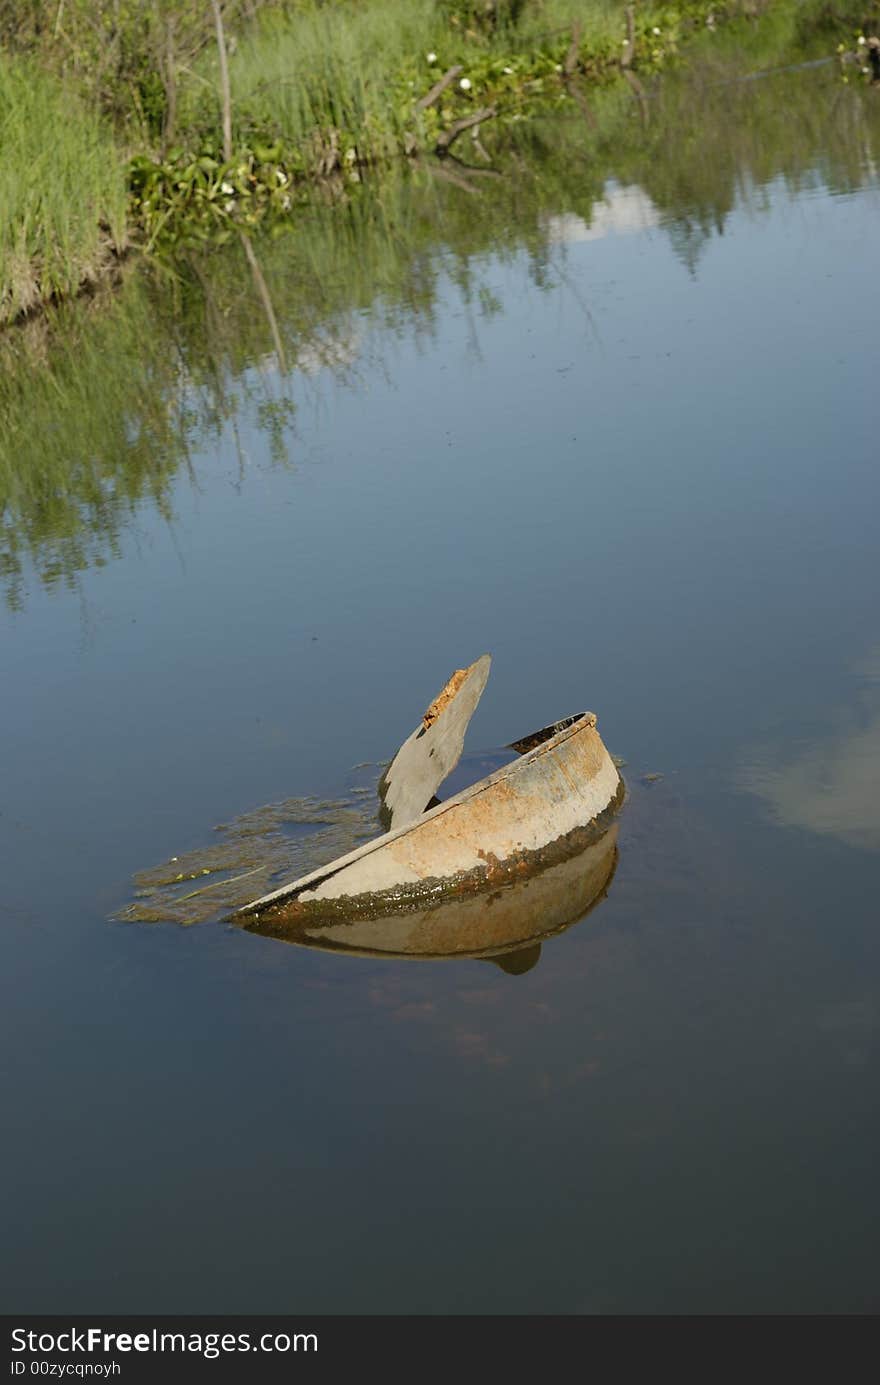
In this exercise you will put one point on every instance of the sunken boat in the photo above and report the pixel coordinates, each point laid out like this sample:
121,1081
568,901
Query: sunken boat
552,805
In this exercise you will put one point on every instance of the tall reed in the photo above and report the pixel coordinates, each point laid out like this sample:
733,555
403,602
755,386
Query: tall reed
62,190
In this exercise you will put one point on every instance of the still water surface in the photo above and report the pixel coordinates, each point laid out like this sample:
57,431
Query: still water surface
622,435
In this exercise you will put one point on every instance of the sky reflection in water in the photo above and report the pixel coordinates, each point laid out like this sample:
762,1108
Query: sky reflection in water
641,468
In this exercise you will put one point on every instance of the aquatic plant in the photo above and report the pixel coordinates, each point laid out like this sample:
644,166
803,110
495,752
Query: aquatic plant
325,91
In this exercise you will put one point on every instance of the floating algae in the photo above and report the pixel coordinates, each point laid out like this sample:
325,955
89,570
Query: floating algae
251,852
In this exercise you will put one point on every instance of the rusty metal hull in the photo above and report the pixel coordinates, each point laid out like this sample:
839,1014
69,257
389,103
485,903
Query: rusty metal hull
490,924
492,833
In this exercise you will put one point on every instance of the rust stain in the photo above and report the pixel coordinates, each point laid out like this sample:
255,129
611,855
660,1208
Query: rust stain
444,697
289,918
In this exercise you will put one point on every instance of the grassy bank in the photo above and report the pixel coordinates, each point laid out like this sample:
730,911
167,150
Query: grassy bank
63,195
149,144
108,402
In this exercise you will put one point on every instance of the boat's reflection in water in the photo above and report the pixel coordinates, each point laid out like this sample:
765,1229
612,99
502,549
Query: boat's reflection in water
506,925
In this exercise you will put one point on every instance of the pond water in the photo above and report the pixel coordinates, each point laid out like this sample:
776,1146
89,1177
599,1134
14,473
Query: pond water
612,417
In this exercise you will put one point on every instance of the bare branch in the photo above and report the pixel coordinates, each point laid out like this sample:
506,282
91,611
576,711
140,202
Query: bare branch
265,298
586,110
571,57
629,51
439,170
438,88
467,122
225,93
639,93
170,85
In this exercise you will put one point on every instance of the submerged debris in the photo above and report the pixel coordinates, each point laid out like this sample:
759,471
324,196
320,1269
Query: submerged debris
562,789
517,855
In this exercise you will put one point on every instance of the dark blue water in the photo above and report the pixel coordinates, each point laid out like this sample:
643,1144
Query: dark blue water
646,486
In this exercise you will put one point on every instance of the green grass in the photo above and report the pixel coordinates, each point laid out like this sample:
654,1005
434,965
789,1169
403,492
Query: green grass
320,88
328,89
62,190
332,66
357,67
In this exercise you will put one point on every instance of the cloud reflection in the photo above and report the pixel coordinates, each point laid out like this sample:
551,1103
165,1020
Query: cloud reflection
832,785
622,211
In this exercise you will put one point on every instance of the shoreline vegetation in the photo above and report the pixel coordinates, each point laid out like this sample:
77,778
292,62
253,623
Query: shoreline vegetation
111,402
176,125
